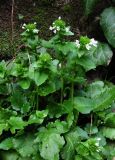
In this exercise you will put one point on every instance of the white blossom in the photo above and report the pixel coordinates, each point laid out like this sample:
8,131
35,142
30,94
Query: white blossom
59,17
55,31
98,139
97,144
77,43
35,31
93,42
24,25
51,28
58,28
88,47
35,23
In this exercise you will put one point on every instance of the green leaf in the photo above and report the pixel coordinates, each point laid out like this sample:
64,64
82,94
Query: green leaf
50,144
25,83
2,69
38,117
105,99
16,123
6,144
108,24
101,55
72,140
89,5
110,120
108,132
83,105
19,102
24,145
36,76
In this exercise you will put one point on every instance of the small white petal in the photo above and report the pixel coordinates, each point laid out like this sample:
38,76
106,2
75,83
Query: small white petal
55,31
35,23
97,144
98,139
58,28
59,17
24,24
88,47
93,42
51,28
35,31
67,29
77,43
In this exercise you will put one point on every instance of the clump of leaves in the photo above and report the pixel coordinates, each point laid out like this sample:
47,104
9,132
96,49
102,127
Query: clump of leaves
45,95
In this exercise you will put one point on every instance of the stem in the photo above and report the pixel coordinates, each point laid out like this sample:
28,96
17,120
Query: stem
91,124
72,92
62,90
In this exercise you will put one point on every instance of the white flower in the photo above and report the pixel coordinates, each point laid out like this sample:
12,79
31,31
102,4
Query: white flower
35,23
60,65
93,42
98,139
51,28
55,31
58,28
77,43
35,31
88,47
97,144
24,25
59,17
67,29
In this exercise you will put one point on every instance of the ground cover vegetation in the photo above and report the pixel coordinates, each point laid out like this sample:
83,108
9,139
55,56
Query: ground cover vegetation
49,108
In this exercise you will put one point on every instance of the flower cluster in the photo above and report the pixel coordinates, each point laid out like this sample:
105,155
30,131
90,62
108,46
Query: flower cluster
97,144
59,25
30,28
88,45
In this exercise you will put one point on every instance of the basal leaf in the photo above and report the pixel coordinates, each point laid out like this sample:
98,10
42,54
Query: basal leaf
108,132
110,120
72,140
89,5
16,123
83,105
6,144
37,117
25,83
108,24
50,144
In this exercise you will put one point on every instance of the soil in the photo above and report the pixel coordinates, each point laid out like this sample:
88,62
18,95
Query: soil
44,13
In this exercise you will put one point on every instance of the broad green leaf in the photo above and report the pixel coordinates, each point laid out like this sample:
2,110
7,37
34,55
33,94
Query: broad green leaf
25,83
83,105
38,117
50,144
108,24
19,102
105,99
72,140
108,132
9,155
36,76
93,58
16,123
89,5
6,144
24,145
110,120
95,89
